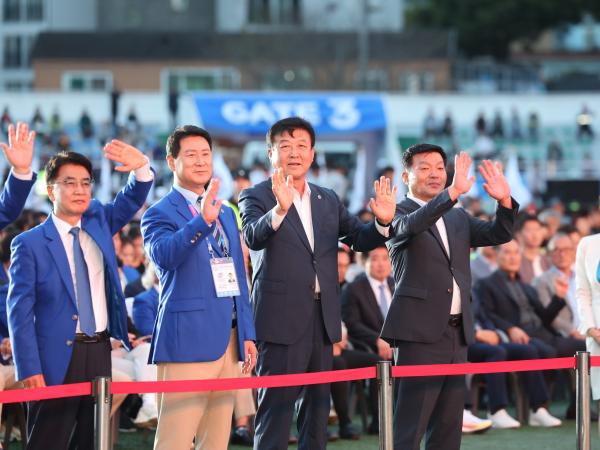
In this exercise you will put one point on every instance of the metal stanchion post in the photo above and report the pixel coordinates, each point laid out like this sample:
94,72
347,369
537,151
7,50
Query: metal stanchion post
385,380
583,400
103,403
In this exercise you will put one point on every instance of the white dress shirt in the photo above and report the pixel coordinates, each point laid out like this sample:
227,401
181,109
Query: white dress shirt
95,263
456,307
302,204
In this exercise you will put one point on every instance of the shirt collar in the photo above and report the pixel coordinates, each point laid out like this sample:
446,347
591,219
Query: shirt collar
416,200
376,283
190,196
63,227
306,191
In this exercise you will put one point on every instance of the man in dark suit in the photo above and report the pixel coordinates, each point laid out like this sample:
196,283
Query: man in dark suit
19,153
294,227
65,300
430,319
365,303
514,307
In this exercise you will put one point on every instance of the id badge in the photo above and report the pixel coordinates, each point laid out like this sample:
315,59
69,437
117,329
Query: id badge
224,277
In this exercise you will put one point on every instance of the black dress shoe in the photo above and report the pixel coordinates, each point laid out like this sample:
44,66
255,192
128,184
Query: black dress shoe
349,431
242,436
571,414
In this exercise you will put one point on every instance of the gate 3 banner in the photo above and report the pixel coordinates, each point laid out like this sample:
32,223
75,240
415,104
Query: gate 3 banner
252,114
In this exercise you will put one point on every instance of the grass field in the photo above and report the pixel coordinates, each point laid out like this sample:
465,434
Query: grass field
525,438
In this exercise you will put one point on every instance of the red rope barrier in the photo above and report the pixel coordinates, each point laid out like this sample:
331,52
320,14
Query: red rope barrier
493,367
302,379
225,384
46,393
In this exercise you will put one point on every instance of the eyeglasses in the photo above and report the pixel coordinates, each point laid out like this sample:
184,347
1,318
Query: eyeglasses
71,184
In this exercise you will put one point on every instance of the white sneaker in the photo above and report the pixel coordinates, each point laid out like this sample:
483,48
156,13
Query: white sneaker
472,424
542,418
147,416
502,420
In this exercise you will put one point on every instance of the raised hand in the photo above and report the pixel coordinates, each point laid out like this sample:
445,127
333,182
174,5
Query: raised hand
210,206
384,203
127,155
462,182
19,151
283,189
495,184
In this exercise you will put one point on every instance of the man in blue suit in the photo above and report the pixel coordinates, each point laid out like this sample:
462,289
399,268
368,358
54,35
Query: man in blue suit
19,153
294,227
64,298
204,324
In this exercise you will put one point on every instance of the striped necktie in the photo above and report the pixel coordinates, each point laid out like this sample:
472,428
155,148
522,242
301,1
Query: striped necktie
218,232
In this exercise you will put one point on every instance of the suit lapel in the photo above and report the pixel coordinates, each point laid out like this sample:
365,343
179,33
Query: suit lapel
180,205
316,205
59,255
413,206
450,232
371,300
438,237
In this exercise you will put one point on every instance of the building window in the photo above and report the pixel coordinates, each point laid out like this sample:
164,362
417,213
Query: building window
415,82
285,79
274,12
204,79
34,10
12,52
12,10
374,80
88,81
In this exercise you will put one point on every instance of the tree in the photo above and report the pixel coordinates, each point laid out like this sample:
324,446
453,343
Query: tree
488,27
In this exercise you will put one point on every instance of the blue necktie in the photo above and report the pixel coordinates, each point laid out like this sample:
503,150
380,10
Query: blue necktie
383,301
87,321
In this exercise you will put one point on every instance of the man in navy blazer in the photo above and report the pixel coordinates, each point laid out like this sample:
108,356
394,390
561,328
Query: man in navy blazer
64,299
19,153
200,331
294,228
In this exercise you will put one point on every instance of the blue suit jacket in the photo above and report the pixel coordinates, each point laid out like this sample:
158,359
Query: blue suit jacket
145,308
42,313
193,324
13,198
3,312
283,283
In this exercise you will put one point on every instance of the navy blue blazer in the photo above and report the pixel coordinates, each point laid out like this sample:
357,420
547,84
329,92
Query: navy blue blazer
145,308
283,282
13,198
42,311
193,324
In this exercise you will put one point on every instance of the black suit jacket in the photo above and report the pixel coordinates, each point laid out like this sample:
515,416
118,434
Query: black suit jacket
423,271
502,310
283,282
361,313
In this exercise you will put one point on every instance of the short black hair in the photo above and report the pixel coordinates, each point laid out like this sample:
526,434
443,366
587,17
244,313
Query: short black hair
288,125
174,139
365,255
63,158
416,149
524,218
